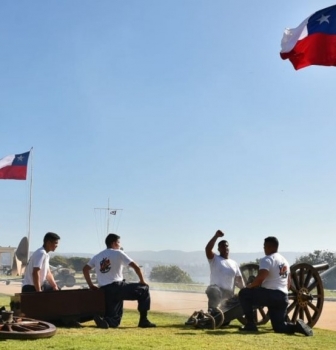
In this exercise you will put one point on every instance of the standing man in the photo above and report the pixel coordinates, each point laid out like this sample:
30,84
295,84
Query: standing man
108,266
270,288
38,277
224,272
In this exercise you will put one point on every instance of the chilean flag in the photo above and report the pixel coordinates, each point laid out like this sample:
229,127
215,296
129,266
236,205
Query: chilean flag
313,42
14,167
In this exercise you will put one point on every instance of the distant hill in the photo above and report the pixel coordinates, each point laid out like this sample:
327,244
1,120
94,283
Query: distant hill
198,257
71,255
180,257
194,263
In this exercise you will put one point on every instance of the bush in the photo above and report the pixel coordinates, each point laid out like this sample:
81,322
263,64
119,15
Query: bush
169,274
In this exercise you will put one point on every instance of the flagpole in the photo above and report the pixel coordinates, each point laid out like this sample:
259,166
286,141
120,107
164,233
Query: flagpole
109,212
108,216
30,199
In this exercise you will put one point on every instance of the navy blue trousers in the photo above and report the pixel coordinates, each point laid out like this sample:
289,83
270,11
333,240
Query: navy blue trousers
117,292
276,302
46,287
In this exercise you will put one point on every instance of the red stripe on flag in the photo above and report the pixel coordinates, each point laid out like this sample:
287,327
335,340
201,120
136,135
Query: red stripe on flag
13,172
315,49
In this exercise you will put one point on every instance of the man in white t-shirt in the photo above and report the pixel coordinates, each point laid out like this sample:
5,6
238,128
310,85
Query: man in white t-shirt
224,272
270,288
108,265
37,276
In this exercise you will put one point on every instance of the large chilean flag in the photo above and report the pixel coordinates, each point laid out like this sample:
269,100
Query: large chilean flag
313,42
14,167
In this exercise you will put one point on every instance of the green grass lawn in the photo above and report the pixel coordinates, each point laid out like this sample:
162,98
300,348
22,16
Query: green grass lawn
171,333
330,293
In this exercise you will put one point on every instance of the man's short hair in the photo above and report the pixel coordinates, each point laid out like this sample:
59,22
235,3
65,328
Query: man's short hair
273,241
223,242
51,237
111,237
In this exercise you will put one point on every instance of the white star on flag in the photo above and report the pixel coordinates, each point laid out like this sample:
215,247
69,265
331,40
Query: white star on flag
323,19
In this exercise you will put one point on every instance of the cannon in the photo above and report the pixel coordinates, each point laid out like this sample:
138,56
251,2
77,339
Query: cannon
36,315
65,307
63,276
306,298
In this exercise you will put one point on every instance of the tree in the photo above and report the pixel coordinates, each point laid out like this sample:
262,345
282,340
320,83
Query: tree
77,263
318,257
257,261
59,260
169,274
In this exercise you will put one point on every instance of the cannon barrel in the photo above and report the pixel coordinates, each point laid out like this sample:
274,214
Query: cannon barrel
321,267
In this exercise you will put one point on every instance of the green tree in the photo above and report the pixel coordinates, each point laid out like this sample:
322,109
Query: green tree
256,261
318,257
77,263
59,260
169,274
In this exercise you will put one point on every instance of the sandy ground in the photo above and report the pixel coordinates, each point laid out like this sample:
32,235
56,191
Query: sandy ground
187,303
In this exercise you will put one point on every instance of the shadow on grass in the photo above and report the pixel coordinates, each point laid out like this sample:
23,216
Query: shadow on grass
232,330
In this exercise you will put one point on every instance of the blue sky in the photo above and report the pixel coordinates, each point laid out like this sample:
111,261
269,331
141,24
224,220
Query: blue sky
181,112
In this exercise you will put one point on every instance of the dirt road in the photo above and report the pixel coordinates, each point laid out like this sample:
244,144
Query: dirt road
187,303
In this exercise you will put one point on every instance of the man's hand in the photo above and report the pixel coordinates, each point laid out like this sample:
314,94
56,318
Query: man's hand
93,287
208,248
219,233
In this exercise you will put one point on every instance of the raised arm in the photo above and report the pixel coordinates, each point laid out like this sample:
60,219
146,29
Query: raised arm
209,247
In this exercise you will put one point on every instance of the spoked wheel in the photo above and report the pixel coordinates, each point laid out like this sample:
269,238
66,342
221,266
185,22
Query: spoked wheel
25,328
306,294
249,272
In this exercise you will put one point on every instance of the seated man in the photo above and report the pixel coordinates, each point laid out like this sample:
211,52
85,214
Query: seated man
38,277
224,273
109,265
270,288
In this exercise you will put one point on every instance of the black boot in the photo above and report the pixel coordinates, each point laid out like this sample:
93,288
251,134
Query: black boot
144,322
301,327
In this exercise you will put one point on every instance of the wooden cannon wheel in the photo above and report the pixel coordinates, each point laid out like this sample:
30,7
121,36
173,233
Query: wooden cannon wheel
306,295
250,271
25,328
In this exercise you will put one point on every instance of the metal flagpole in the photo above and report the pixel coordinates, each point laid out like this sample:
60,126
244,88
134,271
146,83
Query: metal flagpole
109,212
108,216
30,199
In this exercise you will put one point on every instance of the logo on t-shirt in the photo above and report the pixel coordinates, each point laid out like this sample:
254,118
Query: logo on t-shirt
283,271
105,265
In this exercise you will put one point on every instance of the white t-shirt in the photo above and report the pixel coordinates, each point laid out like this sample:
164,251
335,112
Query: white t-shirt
278,269
109,265
223,272
40,259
